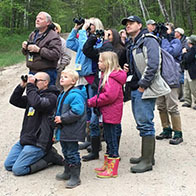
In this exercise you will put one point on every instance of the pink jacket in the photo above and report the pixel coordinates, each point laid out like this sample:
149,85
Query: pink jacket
110,100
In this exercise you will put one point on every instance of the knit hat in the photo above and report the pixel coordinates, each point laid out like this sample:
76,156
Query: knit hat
57,26
180,30
192,39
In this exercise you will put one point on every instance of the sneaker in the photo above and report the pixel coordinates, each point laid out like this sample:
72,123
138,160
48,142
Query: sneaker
194,107
176,141
186,105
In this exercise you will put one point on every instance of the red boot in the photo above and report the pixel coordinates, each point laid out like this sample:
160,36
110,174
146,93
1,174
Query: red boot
112,169
105,165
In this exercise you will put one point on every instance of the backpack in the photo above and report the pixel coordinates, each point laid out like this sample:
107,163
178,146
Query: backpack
170,69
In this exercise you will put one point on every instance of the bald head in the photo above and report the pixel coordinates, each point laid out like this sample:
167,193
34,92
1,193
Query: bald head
43,79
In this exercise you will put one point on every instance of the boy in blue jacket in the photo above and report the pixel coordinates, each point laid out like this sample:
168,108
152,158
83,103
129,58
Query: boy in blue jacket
71,122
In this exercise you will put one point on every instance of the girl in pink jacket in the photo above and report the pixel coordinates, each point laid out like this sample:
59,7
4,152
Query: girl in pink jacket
110,103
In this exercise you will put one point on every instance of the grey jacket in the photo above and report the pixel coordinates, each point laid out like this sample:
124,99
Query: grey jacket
147,61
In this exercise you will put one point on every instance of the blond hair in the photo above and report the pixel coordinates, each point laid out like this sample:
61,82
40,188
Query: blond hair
57,26
72,73
97,23
110,60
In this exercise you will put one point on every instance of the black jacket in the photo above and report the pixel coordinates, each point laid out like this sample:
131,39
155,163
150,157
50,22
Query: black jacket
189,60
39,105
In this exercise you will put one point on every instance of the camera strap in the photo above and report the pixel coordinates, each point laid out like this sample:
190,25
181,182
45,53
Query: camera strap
99,91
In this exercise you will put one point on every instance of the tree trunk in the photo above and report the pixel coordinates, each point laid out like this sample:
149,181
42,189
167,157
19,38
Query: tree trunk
163,10
142,8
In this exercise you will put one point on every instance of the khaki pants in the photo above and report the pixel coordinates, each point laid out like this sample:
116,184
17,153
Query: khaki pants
189,90
169,102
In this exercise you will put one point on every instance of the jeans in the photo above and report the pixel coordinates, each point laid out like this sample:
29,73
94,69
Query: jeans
70,152
143,112
111,139
94,120
53,75
21,157
118,130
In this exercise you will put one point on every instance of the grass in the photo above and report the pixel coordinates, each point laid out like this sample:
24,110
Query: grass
10,49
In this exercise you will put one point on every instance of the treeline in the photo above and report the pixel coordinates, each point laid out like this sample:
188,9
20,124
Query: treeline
17,16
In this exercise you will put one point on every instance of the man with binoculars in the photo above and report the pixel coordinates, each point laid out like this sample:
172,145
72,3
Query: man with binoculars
34,150
43,49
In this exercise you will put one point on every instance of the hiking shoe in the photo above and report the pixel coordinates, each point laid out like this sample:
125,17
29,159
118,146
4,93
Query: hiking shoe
166,134
176,141
186,105
194,107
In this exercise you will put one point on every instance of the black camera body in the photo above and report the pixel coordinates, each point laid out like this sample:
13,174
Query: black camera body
97,111
24,78
160,29
52,123
79,21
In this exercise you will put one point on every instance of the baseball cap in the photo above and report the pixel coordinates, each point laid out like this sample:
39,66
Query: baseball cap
192,39
180,30
152,22
132,19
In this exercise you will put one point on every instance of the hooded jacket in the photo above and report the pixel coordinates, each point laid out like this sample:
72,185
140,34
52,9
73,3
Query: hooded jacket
146,65
38,105
73,115
110,100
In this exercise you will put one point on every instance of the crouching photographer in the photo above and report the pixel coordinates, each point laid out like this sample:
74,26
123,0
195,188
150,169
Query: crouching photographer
34,151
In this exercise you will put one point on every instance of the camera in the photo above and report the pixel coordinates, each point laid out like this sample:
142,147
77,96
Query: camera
160,30
24,78
79,21
97,111
100,33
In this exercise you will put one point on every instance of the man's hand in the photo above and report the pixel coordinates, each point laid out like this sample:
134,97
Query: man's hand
24,45
184,50
33,48
57,119
31,79
140,89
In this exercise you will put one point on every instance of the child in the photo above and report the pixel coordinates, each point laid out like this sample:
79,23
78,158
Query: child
71,121
110,102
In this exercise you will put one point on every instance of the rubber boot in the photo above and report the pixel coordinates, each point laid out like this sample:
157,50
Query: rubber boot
75,176
89,148
112,169
145,164
95,143
52,157
87,143
105,165
66,174
134,160
37,166
176,125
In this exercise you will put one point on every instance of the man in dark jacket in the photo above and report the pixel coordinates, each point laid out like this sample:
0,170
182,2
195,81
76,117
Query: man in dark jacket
34,151
43,49
189,61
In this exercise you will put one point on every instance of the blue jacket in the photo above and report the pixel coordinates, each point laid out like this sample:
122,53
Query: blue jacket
83,64
73,114
174,47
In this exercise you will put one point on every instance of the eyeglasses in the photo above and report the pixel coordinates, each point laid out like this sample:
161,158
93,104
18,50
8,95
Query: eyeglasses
39,80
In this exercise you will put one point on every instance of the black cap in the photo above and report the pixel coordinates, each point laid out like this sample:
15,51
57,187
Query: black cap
132,19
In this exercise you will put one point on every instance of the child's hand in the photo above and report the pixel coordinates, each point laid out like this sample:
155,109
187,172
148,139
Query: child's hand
88,103
57,119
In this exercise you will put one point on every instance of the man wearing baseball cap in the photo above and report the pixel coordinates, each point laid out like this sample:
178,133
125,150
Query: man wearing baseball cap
151,25
146,85
179,34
